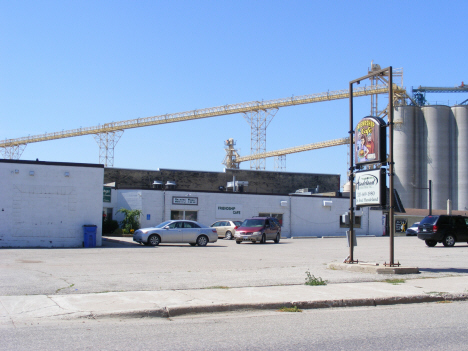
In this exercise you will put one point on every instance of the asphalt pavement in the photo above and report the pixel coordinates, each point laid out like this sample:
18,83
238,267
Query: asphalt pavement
66,292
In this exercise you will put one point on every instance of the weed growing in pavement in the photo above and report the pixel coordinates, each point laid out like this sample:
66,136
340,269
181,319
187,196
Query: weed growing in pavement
395,281
312,280
217,287
290,309
67,287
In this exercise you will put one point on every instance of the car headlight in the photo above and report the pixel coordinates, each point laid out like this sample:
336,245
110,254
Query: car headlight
256,233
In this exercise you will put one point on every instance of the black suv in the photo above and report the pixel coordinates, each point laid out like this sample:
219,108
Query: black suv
443,229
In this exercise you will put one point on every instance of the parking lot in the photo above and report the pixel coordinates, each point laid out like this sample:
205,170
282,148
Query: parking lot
121,265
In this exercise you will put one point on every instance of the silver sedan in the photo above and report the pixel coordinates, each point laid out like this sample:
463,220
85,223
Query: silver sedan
180,231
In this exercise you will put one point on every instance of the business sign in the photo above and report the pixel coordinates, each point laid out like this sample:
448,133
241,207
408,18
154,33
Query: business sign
106,194
371,188
184,200
228,211
370,141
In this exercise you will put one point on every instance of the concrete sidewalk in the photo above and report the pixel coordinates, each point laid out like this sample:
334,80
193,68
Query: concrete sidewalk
170,303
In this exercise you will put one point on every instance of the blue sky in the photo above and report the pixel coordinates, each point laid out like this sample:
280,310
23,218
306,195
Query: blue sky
71,64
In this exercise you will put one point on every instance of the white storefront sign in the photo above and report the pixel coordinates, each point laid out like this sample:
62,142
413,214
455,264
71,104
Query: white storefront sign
369,188
184,200
228,211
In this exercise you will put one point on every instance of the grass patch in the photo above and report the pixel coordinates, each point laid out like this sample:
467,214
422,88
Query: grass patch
67,287
312,280
218,287
395,281
290,309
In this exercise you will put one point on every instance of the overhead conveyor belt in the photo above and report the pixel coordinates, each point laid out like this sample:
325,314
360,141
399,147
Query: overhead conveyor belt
198,114
292,150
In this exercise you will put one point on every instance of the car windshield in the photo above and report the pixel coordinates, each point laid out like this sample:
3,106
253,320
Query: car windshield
163,224
429,220
253,223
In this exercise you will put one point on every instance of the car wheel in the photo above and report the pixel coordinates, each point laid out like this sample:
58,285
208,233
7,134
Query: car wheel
263,240
449,240
431,243
277,239
153,240
238,242
228,235
202,240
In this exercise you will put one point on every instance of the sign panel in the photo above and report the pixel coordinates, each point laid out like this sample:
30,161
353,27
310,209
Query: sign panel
106,194
371,188
228,211
370,141
184,200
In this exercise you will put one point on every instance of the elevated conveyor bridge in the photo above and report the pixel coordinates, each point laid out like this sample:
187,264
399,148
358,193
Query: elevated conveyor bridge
108,134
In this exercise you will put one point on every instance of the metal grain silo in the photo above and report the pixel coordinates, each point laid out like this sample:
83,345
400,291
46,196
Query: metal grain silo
460,113
437,119
405,146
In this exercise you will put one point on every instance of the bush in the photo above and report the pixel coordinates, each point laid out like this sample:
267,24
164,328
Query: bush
131,220
109,226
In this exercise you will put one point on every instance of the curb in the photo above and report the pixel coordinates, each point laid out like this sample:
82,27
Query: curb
168,312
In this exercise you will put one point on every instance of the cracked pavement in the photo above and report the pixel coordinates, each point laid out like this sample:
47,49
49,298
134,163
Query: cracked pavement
129,279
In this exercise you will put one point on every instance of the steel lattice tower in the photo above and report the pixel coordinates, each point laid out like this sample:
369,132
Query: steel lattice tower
259,121
107,142
13,152
280,163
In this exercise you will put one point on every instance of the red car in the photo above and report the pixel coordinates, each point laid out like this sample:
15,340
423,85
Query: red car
258,229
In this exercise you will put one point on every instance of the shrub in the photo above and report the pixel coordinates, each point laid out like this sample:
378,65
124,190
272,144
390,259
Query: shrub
109,226
131,220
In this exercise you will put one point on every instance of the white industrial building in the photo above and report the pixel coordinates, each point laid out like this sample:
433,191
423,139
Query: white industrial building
46,204
300,215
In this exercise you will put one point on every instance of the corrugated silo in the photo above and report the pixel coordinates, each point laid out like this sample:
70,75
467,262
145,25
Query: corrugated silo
461,119
438,122
407,163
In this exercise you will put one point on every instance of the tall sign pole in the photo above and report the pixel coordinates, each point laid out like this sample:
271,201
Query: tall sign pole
363,158
351,177
391,164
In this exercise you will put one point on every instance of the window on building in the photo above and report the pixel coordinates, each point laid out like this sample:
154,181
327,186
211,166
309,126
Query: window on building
189,215
357,222
278,216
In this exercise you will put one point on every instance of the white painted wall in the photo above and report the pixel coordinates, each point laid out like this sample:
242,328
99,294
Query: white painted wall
49,209
113,203
302,215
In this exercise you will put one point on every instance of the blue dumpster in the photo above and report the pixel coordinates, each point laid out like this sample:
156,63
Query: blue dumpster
89,232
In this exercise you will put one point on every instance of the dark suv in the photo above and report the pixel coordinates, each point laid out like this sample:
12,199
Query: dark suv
443,229
258,229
